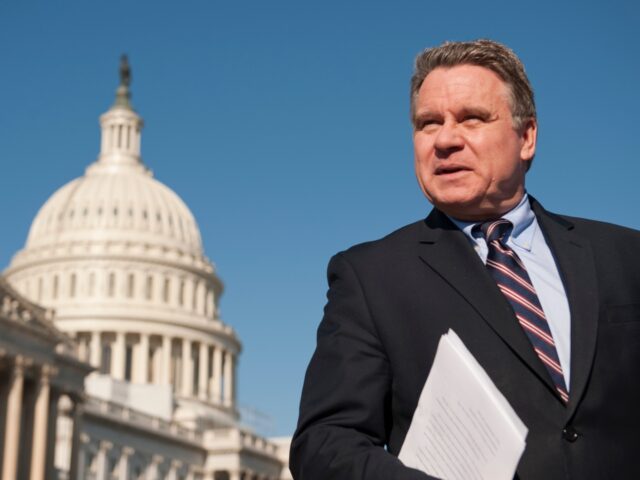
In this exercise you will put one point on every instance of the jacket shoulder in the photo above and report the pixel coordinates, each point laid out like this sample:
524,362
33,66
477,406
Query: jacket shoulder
599,230
398,241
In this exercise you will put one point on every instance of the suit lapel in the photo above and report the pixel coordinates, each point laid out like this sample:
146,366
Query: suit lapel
446,250
576,265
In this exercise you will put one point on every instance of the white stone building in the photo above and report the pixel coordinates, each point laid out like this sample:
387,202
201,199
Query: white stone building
119,257
41,388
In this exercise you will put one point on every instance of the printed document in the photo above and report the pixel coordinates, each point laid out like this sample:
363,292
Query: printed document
463,427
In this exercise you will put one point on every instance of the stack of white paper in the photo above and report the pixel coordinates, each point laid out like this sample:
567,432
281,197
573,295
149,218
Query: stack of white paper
463,427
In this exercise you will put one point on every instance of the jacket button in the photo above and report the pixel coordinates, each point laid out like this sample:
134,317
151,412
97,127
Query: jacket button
570,434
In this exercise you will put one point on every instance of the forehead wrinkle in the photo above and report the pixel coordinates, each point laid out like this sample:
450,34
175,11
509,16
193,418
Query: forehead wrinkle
463,94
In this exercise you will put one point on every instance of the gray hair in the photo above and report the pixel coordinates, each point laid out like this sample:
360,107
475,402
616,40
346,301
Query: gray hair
483,53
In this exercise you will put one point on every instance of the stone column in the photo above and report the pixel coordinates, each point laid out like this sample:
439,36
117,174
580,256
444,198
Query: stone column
166,360
124,472
216,381
96,350
152,470
76,463
156,362
228,379
234,379
187,373
142,362
78,467
101,461
52,433
173,470
203,370
119,355
12,424
40,420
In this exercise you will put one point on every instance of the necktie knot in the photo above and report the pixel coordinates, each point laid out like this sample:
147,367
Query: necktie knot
495,229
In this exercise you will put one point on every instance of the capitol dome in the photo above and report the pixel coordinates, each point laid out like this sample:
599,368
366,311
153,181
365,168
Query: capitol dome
118,256
116,203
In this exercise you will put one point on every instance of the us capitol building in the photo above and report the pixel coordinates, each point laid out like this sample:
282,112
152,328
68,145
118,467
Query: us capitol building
114,362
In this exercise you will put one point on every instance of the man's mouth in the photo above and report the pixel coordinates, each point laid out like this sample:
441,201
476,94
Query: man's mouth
450,169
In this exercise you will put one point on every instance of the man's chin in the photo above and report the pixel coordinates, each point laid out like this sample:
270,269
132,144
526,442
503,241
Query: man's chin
473,210
459,208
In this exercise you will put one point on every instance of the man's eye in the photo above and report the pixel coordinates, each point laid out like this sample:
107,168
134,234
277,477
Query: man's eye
473,119
427,123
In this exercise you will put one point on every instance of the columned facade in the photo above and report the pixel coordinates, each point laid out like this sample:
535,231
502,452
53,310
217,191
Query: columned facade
38,366
201,362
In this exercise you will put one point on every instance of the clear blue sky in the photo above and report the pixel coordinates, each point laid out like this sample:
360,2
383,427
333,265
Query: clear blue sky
284,126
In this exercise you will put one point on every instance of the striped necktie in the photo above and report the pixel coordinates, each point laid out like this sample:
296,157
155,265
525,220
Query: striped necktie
513,280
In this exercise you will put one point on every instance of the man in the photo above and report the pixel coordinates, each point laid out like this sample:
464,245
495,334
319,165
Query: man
548,305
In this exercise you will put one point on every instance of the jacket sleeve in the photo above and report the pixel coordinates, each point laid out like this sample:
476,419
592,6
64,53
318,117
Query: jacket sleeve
345,413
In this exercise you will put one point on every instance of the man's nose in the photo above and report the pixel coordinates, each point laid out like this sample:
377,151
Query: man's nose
449,138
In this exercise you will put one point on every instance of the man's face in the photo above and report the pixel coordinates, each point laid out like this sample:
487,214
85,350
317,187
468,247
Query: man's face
469,159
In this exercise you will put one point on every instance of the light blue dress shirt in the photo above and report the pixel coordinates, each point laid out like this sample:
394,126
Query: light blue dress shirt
527,240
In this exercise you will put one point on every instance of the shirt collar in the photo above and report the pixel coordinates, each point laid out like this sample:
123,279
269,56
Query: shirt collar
522,217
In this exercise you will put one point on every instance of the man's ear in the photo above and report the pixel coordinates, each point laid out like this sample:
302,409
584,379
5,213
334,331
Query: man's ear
529,135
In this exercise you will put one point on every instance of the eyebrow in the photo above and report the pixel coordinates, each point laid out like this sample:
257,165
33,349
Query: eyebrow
476,111
479,111
424,115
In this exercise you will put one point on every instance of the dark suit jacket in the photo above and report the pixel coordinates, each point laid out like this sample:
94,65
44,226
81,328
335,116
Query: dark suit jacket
390,301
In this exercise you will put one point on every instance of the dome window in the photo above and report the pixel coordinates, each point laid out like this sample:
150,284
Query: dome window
181,293
92,284
111,286
130,285
54,290
148,291
105,364
128,365
194,297
165,290
72,285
